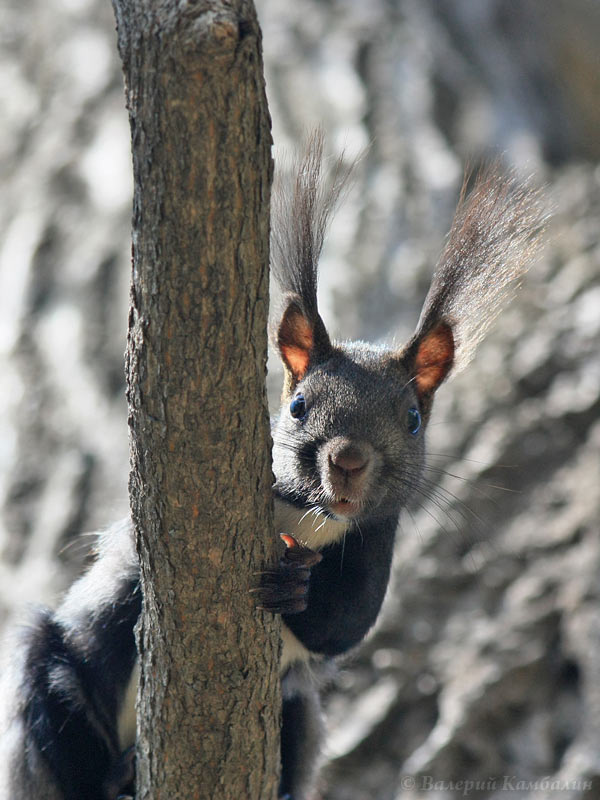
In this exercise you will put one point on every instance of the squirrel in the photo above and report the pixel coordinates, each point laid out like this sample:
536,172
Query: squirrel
348,454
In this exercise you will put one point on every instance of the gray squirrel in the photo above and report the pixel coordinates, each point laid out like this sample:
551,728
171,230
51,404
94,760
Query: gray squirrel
348,454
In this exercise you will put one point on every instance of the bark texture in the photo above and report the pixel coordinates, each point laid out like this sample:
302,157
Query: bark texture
200,477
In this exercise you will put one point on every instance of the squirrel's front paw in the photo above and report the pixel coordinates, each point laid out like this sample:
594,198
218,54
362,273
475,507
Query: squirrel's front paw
284,590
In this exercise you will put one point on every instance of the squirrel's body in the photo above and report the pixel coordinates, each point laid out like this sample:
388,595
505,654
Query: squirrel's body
348,453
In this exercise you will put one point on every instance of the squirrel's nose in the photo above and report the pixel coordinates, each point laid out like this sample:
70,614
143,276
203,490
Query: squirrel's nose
349,460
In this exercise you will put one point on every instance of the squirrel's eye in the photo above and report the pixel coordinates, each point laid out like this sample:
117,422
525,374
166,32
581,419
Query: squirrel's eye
413,421
298,407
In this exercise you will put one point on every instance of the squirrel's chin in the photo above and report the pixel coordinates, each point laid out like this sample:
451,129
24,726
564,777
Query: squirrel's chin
345,508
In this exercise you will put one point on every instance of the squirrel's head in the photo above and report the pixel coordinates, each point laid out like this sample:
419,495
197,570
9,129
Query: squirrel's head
350,435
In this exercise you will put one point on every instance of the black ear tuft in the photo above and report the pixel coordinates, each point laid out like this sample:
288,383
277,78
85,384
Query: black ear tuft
495,235
303,201
494,238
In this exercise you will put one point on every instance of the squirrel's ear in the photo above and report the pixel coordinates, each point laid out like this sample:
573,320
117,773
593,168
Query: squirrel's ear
429,358
300,340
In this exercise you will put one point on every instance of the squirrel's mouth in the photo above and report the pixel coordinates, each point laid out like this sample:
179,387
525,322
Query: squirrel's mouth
345,507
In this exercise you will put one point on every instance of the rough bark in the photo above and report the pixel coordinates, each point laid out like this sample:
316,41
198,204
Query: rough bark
196,361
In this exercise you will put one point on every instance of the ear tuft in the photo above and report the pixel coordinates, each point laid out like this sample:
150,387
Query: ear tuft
295,339
433,359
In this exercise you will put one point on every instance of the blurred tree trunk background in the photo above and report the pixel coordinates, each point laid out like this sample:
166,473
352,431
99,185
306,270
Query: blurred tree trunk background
486,664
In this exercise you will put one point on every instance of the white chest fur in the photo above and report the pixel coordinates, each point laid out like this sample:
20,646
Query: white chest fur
310,528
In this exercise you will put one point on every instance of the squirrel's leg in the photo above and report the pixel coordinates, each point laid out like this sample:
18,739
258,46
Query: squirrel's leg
301,733
284,590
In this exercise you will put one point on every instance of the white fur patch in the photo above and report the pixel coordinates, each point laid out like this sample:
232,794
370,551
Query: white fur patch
126,723
293,650
309,528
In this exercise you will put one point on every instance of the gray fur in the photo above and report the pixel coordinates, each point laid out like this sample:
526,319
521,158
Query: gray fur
23,772
355,377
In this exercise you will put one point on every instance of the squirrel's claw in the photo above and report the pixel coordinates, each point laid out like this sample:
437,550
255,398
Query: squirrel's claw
296,553
284,590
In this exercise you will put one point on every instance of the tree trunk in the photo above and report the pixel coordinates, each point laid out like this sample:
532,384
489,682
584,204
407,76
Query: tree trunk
200,483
